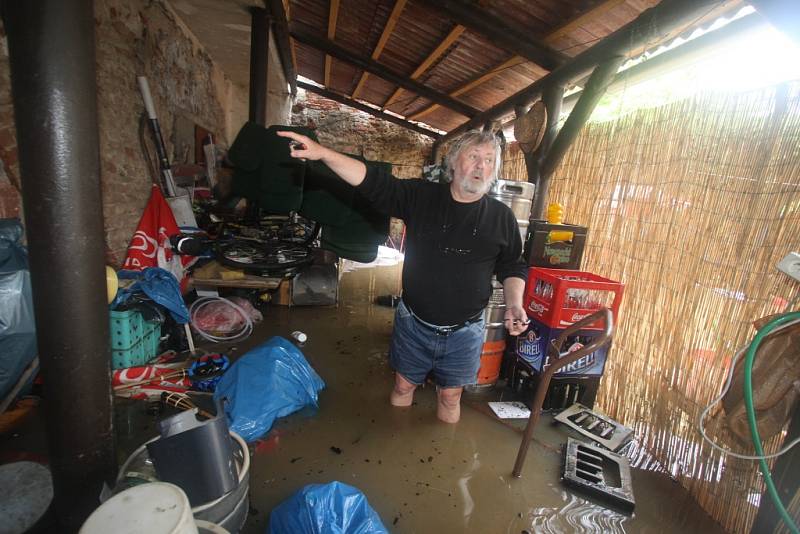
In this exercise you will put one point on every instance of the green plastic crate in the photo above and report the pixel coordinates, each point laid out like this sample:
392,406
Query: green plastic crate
134,341
127,329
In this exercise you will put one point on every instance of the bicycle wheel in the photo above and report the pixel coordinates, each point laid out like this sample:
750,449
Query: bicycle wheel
269,258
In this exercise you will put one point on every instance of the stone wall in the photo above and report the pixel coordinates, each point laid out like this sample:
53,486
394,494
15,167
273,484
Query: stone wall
188,88
348,130
141,37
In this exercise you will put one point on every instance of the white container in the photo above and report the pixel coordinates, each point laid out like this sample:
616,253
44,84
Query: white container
152,508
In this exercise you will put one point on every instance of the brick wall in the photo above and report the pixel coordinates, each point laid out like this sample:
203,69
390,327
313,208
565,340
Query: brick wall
10,203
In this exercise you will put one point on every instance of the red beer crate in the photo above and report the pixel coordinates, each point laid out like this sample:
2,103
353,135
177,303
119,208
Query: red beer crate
561,297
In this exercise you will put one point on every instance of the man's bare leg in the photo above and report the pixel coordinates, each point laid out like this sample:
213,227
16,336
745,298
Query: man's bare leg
403,391
448,407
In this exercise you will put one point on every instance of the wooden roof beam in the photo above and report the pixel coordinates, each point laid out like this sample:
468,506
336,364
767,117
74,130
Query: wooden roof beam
285,50
497,69
500,33
582,19
454,34
373,67
648,26
387,32
333,15
367,109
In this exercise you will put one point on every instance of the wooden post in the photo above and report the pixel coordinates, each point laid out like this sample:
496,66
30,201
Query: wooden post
553,146
259,57
552,97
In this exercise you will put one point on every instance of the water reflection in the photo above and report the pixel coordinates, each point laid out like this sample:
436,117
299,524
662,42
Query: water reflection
576,515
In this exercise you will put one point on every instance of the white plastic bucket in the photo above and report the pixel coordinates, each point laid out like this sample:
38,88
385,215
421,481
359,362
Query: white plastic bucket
153,508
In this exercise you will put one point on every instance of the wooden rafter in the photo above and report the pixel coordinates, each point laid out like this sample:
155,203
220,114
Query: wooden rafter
645,29
582,19
500,32
454,34
372,66
387,31
280,26
333,15
292,46
577,22
488,75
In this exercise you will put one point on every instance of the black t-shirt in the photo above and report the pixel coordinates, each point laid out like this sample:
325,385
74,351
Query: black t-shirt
452,248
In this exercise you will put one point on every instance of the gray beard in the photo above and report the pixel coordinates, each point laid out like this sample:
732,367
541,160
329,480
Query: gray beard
470,187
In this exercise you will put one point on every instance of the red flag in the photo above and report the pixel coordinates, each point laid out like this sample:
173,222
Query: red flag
150,246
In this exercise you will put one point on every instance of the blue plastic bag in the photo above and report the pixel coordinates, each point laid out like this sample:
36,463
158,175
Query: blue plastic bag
271,381
333,508
158,284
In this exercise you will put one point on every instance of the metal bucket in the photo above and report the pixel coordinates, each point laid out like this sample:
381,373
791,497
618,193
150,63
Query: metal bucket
228,511
516,195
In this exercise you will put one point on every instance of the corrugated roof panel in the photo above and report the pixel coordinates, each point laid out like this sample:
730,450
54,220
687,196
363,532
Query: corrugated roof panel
343,77
311,13
376,90
471,57
498,88
540,17
360,24
420,29
417,33
409,103
443,119
310,62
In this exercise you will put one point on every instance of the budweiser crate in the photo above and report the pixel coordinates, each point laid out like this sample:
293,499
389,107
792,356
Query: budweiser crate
560,297
531,348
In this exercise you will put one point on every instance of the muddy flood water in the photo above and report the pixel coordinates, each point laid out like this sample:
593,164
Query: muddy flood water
421,475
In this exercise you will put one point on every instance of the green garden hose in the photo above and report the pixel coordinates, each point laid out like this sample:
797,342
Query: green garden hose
751,414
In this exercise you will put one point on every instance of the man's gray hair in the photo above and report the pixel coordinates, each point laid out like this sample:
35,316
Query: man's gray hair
469,140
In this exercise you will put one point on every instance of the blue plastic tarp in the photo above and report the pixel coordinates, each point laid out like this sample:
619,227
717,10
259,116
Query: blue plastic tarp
158,284
270,381
17,324
333,508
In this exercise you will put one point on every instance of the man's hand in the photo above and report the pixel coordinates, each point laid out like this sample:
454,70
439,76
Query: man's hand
303,147
350,170
516,320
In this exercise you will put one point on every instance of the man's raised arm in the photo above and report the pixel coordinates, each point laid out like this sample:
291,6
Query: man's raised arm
350,170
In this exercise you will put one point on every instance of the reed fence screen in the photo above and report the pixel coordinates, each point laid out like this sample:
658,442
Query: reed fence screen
691,205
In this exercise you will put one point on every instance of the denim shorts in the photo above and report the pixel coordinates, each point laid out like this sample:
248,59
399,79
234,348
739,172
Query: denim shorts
416,350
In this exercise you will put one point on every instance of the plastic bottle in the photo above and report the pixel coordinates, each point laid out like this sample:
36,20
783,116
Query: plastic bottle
299,336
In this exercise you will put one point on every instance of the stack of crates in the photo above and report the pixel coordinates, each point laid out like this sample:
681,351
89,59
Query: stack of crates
134,341
555,299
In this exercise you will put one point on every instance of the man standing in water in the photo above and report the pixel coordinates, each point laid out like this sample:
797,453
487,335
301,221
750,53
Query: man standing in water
457,238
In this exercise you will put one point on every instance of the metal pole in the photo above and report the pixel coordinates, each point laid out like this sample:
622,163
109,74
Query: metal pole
259,57
52,57
557,360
